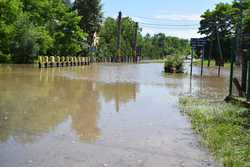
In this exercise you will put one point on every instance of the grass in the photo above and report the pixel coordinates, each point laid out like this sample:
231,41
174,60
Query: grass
224,127
212,63
153,61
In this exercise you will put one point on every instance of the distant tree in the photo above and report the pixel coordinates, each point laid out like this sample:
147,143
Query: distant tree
108,37
91,12
219,25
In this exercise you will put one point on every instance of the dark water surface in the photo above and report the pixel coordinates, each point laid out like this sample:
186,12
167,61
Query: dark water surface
100,115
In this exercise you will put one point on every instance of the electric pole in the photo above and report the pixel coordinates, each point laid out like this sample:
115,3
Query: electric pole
119,31
135,42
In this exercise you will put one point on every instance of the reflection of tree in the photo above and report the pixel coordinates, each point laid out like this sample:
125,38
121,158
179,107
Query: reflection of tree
119,92
31,105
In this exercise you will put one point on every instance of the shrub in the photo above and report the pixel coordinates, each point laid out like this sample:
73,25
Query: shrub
5,58
174,64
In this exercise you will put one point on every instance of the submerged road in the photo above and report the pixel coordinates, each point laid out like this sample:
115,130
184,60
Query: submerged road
103,115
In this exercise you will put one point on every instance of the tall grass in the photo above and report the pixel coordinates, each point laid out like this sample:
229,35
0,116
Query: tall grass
225,129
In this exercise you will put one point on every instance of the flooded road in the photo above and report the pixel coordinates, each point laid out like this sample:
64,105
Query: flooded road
105,115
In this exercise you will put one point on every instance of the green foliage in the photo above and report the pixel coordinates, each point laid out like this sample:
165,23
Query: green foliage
91,12
159,46
155,47
38,27
10,10
107,43
29,41
224,128
108,37
222,22
174,63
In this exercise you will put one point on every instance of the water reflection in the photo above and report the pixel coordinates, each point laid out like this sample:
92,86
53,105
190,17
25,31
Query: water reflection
33,102
118,92
30,109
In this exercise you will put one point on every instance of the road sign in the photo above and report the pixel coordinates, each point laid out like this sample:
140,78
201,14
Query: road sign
198,42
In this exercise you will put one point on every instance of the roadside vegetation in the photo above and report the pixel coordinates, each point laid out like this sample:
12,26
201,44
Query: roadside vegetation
62,28
211,64
174,64
223,27
156,47
224,127
46,27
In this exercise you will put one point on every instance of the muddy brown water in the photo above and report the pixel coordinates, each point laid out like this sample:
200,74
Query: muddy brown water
111,115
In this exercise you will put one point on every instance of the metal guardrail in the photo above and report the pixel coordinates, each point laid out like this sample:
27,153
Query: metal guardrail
62,61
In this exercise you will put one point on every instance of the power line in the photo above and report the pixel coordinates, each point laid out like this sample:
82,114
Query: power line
169,25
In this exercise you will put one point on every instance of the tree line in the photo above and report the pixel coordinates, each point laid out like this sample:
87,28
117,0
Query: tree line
227,30
29,28
156,46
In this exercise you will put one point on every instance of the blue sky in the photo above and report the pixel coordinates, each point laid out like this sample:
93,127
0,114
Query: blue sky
157,16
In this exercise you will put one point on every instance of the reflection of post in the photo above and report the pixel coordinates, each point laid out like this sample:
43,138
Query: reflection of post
117,102
190,86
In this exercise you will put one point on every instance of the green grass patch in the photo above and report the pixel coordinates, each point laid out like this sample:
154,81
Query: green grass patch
224,127
212,63
153,61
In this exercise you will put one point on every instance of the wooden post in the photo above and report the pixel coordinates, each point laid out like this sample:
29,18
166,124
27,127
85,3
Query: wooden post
202,60
192,56
210,53
119,31
248,83
220,50
231,75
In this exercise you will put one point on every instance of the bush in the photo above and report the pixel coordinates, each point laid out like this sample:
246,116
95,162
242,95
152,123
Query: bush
174,64
5,58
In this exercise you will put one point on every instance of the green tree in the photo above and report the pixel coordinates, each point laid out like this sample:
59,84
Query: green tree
219,25
63,25
108,37
29,41
91,12
10,12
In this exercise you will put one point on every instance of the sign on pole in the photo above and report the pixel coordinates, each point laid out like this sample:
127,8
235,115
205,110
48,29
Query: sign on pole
198,42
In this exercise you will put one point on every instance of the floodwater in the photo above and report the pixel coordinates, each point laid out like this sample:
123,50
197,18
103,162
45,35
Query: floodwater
102,115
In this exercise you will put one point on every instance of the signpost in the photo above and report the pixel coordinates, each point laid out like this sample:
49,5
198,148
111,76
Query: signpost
198,43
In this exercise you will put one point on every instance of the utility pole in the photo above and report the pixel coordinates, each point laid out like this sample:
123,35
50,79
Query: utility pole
119,31
135,42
